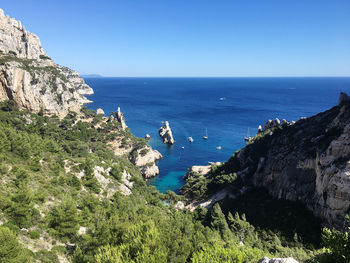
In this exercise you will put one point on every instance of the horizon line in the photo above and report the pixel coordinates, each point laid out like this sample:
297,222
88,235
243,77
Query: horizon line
102,76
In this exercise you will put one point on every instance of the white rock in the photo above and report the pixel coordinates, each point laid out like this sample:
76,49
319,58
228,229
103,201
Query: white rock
100,111
166,134
179,205
120,118
36,84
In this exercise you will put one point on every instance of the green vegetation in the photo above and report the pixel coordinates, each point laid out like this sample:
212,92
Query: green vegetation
49,193
44,57
29,66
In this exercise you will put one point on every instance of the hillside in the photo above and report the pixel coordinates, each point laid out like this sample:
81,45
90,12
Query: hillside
306,161
73,185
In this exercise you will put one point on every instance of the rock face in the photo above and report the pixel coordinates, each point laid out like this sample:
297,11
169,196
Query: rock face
307,161
166,134
14,38
145,158
343,98
31,79
198,169
278,260
120,118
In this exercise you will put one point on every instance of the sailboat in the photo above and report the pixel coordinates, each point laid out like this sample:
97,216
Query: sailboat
205,137
247,138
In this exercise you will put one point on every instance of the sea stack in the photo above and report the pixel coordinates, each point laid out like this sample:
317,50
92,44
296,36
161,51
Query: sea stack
120,118
166,134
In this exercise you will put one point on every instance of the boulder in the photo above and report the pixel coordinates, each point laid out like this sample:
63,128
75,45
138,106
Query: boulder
179,205
100,111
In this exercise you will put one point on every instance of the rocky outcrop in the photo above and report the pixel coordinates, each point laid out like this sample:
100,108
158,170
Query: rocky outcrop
100,111
271,124
200,169
145,158
308,161
278,260
343,98
16,40
166,134
31,79
120,118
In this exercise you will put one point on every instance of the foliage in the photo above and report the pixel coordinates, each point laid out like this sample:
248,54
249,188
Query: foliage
10,250
63,219
48,185
220,254
337,244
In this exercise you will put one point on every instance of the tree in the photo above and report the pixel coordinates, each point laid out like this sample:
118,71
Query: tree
240,226
10,250
337,243
218,221
63,219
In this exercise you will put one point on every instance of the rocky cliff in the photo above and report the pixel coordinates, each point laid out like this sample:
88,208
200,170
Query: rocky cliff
31,79
308,160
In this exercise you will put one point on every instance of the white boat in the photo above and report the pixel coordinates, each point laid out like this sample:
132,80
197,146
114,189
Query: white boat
190,139
219,148
223,98
206,134
183,147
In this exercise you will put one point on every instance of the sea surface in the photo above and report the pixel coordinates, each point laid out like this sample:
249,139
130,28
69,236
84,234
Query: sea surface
226,107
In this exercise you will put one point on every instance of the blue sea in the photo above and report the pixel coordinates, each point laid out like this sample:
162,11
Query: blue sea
226,107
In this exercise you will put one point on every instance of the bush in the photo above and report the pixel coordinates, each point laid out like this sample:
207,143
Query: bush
10,250
34,234
44,57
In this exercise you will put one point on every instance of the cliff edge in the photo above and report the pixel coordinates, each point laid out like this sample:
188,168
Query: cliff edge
31,79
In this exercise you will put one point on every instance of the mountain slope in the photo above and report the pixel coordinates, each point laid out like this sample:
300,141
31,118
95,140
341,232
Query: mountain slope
305,161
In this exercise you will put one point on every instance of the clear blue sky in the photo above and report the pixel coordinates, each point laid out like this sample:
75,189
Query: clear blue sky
192,37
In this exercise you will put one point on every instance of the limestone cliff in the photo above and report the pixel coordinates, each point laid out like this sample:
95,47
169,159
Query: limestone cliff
308,160
145,158
31,79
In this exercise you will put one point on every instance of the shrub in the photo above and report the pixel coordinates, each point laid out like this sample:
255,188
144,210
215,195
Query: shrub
10,250
34,234
44,57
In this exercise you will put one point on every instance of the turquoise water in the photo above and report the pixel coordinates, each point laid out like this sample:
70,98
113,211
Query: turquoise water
192,105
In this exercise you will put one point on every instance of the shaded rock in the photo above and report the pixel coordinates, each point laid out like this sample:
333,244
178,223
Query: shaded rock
271,124
343,97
